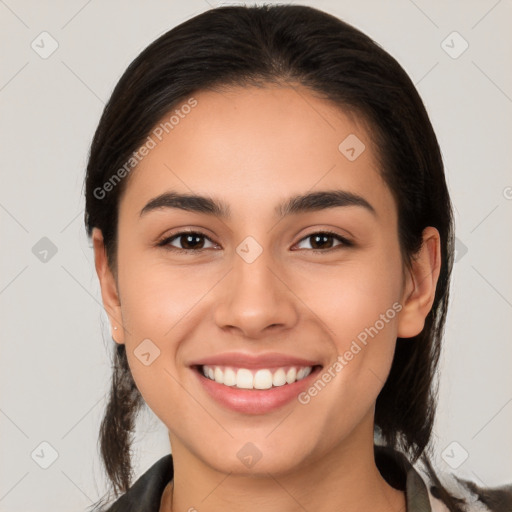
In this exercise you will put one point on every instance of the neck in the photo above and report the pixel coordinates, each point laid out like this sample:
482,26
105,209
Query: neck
346,478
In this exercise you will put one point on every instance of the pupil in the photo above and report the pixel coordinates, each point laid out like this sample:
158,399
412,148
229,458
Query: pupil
320,240
189,244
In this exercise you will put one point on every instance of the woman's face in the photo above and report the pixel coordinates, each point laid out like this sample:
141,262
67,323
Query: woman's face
261,289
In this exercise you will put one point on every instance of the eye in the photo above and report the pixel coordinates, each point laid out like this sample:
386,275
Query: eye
194,241
323,241
189,241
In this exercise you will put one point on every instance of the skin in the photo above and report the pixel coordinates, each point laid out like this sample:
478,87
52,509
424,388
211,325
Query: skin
254,148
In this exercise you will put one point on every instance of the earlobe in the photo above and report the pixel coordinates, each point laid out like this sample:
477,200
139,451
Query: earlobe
108,285
420,285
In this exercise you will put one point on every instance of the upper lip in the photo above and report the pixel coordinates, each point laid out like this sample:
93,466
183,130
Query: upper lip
241,360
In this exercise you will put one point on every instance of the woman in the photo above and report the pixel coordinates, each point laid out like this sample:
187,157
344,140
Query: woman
273,237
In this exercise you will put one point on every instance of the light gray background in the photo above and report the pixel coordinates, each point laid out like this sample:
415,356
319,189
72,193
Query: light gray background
55,366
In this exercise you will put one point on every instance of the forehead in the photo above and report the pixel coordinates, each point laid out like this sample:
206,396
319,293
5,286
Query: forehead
256,145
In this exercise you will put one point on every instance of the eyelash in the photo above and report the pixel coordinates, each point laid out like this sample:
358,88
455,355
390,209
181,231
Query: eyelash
166,241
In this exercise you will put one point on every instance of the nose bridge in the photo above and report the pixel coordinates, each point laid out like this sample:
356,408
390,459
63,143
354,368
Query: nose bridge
254,297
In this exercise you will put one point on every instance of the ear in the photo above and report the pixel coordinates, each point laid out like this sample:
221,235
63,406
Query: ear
420,285
109,292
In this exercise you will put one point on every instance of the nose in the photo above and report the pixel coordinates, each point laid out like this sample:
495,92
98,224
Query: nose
255,299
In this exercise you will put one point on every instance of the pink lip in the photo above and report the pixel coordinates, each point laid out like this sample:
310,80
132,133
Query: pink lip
240,360
255,401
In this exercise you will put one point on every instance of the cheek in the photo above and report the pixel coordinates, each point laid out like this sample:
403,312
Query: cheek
362,317
352,296
363,323
160,303
157,296
358,303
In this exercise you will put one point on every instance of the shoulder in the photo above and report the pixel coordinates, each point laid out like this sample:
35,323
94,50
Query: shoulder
425,487
473,497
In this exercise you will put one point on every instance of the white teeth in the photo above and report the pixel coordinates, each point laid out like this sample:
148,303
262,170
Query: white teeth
218,375
303,373
291,375
279,378
263,379
255,379
244,379
229,377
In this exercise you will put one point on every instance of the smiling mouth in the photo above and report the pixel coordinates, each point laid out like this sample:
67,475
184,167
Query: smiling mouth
263,378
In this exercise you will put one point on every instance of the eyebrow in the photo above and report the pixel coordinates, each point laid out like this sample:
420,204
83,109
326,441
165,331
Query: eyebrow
314,201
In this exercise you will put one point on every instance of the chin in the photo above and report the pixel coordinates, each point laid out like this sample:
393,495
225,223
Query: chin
257,458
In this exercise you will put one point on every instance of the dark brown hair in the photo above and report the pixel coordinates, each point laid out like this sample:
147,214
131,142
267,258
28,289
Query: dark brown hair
286,44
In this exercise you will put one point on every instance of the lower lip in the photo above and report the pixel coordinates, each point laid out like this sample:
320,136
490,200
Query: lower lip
255,401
